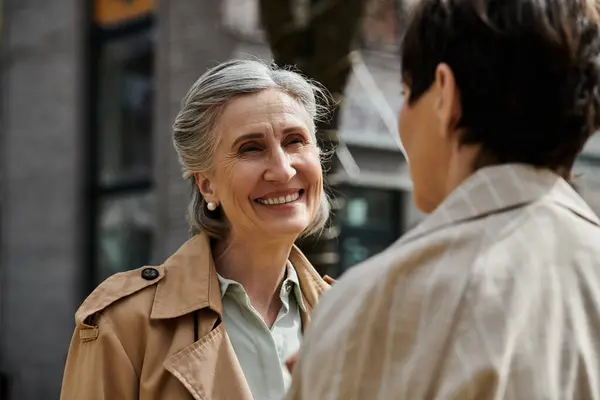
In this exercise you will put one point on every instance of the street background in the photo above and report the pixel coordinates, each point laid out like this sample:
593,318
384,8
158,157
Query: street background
90,184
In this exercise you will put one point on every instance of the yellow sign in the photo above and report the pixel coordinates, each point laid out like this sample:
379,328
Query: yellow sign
112,12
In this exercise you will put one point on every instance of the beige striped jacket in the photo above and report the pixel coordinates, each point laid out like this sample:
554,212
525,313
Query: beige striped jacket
496,295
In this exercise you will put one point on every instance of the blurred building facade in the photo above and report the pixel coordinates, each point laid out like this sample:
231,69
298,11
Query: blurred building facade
90,184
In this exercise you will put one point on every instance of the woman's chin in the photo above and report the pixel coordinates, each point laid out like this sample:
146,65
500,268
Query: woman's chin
285,218
284,228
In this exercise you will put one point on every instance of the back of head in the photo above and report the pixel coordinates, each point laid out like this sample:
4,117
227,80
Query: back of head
528,74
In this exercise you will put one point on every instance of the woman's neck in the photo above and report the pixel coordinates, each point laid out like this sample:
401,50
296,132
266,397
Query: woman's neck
258,267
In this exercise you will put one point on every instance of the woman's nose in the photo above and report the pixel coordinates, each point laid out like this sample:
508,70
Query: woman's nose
279,168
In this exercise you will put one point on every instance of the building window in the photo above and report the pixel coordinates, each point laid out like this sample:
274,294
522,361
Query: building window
121,201
125,95
371,220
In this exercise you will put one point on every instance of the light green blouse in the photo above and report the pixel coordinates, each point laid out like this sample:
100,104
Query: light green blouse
262,351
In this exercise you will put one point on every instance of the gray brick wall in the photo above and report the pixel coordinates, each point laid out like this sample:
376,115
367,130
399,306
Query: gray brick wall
41,76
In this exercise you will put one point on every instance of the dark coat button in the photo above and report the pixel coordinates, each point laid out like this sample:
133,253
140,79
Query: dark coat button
150,274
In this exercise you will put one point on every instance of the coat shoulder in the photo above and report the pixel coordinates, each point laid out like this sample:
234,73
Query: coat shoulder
117,287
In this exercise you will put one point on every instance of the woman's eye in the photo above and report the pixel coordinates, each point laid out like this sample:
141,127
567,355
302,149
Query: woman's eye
250,148
295,140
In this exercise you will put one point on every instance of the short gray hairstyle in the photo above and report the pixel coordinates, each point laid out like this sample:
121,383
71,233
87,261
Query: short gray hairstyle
196,137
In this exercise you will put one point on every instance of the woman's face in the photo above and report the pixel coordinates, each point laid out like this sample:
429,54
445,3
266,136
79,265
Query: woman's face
266,174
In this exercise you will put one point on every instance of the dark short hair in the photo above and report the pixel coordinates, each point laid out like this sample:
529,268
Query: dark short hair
527,71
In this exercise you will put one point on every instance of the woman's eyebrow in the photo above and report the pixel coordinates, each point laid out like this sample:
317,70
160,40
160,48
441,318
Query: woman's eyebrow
247,136
292,129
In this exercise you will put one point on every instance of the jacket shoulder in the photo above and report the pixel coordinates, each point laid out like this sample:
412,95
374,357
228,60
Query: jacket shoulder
117,287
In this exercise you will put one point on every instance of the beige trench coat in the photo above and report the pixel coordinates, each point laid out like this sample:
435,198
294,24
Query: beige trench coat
496,295
134,335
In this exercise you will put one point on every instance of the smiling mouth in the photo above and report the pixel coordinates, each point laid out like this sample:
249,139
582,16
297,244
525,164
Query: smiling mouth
290,198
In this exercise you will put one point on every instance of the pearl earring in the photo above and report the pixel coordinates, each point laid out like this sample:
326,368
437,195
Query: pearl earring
211,206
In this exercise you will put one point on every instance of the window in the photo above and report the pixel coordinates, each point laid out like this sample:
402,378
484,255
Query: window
370,222
125,95
121,200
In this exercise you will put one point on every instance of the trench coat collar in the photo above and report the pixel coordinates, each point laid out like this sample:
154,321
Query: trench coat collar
500,188
191,283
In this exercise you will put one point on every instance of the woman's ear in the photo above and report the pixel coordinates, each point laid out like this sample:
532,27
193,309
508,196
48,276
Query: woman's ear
205,186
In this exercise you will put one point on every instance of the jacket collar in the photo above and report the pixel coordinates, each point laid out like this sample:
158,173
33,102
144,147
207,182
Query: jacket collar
499,188
290,279
191,283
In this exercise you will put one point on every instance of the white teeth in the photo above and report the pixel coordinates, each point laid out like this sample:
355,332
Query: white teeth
280,200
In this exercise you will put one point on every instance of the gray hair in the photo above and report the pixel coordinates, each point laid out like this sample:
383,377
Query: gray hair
196,137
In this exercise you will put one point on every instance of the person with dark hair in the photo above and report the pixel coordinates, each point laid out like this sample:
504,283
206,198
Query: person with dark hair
496,294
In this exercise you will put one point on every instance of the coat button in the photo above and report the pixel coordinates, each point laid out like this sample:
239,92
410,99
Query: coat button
150,274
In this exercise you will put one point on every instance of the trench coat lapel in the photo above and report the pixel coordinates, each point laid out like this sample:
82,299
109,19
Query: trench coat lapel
208,368
198,365
312,285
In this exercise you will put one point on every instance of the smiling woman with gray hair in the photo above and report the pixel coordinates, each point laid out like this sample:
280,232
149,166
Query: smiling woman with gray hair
220,317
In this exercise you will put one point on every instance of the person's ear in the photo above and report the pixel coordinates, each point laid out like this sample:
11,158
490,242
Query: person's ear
447,103
206,187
